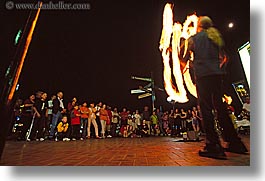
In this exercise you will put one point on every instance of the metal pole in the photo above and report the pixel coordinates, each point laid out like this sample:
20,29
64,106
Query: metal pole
31,125
153,91
6,99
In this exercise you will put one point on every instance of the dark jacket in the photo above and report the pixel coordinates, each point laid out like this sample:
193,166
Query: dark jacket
56,106
41,106
206,56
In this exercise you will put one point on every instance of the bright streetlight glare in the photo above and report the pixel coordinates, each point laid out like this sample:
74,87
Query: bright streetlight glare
231,25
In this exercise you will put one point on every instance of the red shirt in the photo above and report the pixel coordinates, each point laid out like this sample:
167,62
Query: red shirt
84,112
110,116
75,117
103,114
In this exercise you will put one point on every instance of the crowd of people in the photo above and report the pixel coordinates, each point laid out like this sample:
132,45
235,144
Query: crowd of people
42,119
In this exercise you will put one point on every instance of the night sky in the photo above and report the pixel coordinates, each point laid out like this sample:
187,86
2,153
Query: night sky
92,54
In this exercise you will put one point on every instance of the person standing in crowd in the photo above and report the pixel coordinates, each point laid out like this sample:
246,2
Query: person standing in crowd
171,122
114,121
130,120
183,116
92,119
137,118
40,109
146,116
207,46
103,119
49,118
26,116
98,107
159,115
70,108
154,122
189,120
195,121
75,123
134,126
63,130
71,105
165,119
124,120
84,119
200,119
176,130
108,123
57,111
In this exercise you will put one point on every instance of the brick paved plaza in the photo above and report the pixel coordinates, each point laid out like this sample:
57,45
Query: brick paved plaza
151,151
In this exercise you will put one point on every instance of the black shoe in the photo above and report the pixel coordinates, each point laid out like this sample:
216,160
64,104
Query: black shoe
216,155
213,151
237,147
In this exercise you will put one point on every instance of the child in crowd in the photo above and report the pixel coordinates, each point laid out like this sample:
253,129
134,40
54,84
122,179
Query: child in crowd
144,129
75,123
85,111
129,131
125,132
62,130
165,126
154,123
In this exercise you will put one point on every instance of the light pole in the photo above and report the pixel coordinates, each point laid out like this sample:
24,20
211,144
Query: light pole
8,91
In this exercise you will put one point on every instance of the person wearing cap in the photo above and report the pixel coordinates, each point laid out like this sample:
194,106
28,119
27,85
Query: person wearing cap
206,45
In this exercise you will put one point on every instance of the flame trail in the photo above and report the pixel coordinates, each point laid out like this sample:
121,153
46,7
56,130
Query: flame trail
171,35
19,69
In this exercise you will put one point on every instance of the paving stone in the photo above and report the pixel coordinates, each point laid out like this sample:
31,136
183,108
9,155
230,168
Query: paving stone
151,151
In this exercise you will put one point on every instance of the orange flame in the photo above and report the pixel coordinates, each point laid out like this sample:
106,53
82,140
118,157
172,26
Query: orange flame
171,35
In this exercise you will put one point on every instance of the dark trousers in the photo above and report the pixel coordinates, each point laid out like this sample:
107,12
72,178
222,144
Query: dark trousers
37,130
61,135
84,127
175,127
48,125
99,124
210,93
113,129
76,131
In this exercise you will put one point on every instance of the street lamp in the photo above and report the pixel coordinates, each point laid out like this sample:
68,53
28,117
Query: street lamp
231,25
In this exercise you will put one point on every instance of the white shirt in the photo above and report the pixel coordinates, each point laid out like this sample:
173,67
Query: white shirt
137,119
50,107
61,102
97,108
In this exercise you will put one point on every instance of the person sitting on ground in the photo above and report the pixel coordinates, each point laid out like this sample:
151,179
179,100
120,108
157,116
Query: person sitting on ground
62,130
144,130
125,132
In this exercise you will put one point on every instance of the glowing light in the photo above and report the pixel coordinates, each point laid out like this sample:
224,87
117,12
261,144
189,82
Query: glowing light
231,25
18,37
227,99
170,39
19,69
